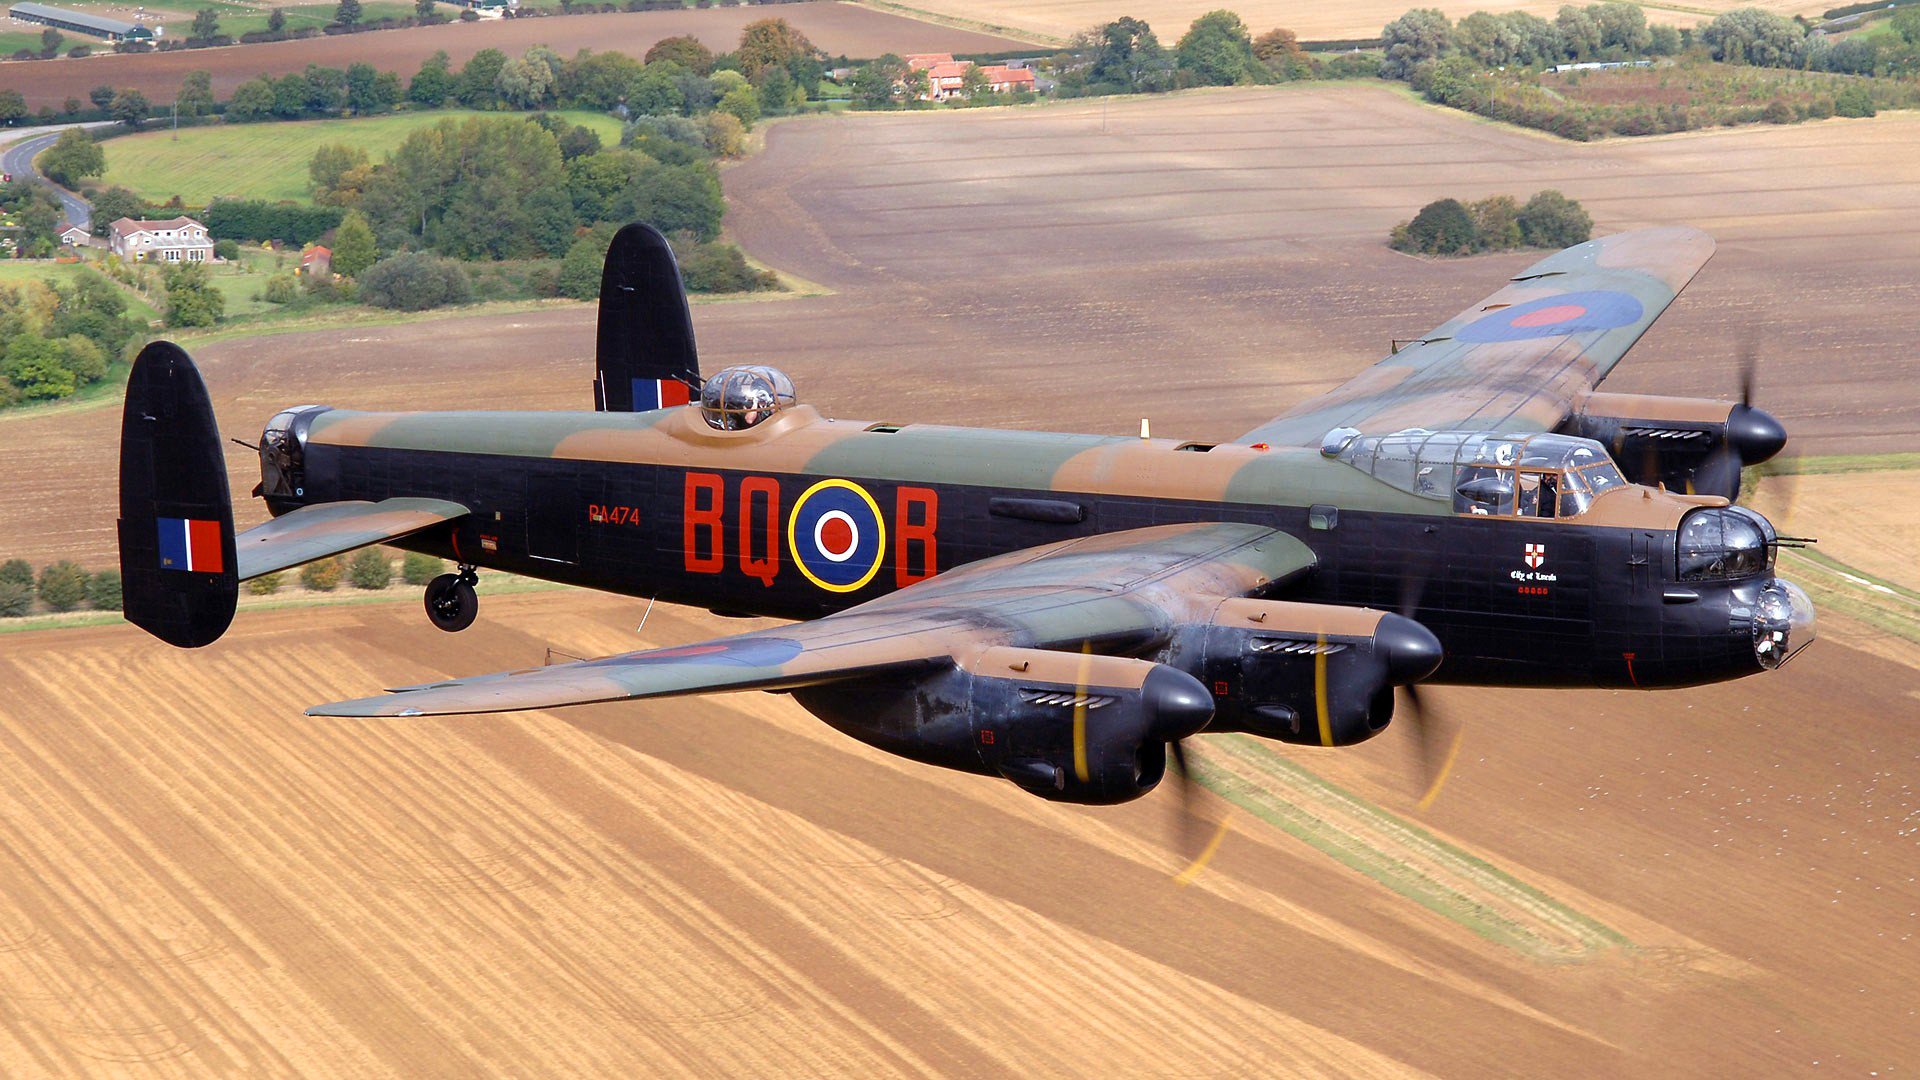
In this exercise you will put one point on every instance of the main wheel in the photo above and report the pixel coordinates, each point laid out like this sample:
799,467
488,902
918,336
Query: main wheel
452,604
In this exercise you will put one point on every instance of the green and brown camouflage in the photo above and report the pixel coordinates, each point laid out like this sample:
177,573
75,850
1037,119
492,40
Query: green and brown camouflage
1052,607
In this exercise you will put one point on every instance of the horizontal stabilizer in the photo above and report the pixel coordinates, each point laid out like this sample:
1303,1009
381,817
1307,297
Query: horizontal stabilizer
315,532
177,565
644,351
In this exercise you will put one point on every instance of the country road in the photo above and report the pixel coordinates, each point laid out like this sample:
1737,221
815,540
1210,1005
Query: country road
17,160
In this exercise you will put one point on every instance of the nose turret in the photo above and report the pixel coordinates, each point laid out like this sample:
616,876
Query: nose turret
1783,623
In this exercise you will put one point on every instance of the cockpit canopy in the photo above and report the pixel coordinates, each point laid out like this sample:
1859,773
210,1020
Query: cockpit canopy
745,396
1534,474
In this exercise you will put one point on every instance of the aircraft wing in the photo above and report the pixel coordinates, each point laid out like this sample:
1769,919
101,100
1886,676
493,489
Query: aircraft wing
315,532
1520,359
1115,593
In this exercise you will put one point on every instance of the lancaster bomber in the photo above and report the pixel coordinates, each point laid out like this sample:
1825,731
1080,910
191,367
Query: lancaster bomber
1058,610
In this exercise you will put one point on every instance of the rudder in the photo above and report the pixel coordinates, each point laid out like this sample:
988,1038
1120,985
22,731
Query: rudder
644,351
177,564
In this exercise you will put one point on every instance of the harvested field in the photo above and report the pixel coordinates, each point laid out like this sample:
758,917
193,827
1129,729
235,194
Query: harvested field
1718,881
836,27
1313,20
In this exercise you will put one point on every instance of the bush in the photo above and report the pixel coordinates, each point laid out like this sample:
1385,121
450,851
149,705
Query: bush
322,576
16,588
370,569
1551,220
103,590
414,282
265,584
721,268
226,249
15,599
1853,101
282,288
63,586
418,568
1442,227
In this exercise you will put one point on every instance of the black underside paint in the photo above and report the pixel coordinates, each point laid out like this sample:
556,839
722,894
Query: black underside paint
1591,613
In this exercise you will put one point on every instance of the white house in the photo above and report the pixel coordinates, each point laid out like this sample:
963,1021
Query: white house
174,240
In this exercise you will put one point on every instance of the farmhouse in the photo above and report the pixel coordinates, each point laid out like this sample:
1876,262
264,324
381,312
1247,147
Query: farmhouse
174,240
81,23
316,261
947,77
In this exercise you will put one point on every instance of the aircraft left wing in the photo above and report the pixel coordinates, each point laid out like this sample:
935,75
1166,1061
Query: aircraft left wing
1118,593
1520,359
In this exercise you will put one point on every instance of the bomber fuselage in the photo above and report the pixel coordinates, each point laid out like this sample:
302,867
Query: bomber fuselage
806,515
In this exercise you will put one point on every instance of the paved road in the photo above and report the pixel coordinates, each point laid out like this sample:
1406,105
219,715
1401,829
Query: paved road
17,159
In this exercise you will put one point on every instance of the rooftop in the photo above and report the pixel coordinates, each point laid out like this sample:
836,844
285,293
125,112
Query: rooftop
77,18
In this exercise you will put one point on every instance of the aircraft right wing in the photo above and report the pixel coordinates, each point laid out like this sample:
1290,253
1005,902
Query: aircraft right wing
1520,359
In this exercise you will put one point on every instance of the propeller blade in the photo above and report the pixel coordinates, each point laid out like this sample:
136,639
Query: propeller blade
1749,366
1182,770
1437,747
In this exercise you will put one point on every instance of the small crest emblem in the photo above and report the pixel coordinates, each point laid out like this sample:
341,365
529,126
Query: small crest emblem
1536,555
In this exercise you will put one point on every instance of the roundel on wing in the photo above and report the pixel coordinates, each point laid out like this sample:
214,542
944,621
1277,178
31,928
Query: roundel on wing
836,535
1555,316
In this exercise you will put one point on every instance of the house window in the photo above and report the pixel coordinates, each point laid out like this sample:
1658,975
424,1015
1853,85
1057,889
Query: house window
173,255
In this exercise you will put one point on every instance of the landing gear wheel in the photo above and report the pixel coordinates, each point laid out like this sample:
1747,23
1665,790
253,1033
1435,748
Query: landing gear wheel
452,604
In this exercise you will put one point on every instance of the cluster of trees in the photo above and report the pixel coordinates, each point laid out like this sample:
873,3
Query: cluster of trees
59,337
1617,30
1498,223
60,586
359,89
769,74
1125,56
36,212
368,568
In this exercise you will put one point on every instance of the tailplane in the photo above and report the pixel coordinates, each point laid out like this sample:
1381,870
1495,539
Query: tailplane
177,564
645,353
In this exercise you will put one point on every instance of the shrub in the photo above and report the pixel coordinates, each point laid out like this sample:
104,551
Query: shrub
1442,227
63,586
103,590
265,584
15,599
721,268
1853,101
1551,220
1778,112
370,569
226,249
282,288
414,282
322,576
16,588
418,568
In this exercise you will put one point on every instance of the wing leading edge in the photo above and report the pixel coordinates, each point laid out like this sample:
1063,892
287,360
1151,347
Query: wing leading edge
1115,593
1520,359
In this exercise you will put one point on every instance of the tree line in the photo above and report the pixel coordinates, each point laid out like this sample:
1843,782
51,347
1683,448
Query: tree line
1497,223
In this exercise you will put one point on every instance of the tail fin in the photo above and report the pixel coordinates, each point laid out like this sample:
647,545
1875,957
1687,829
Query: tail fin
645,352
177,564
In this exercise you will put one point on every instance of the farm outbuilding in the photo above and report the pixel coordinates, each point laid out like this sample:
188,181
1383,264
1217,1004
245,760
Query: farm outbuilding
80,22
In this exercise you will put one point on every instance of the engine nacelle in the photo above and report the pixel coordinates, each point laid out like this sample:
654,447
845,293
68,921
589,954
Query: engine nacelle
1317,674
1694,445
1065,726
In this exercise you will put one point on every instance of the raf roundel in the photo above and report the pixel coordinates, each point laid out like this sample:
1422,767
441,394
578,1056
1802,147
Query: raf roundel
837,536
1555,316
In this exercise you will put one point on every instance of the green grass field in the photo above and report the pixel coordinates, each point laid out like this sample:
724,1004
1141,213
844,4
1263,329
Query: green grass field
16,271
267,161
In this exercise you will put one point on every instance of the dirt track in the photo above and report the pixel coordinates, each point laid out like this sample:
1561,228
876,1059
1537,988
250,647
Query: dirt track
837,28
206,881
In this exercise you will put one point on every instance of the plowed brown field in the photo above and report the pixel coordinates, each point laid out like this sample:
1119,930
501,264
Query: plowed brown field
1710,882
838,28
